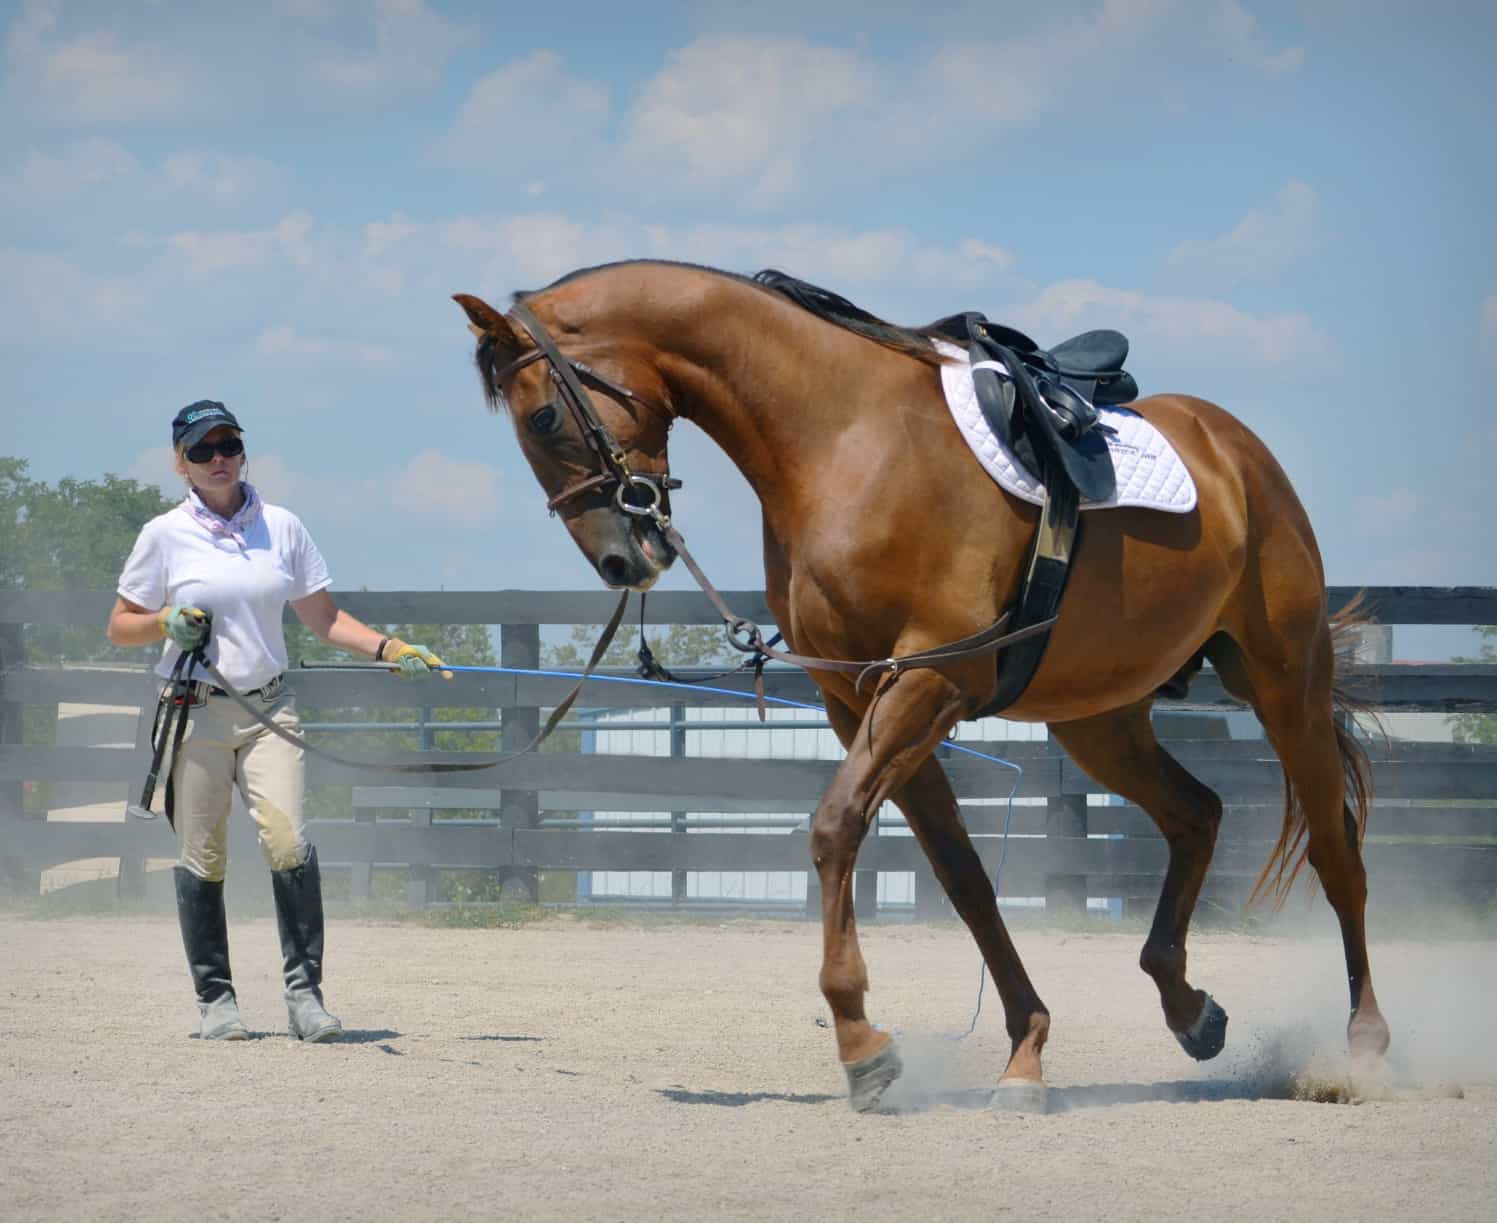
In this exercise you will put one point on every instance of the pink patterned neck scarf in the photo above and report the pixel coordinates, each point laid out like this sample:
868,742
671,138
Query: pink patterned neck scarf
235,528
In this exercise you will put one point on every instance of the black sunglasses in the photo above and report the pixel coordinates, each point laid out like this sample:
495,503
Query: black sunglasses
204,451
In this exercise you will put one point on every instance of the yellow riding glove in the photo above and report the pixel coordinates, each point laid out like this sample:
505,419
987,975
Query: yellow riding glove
414,660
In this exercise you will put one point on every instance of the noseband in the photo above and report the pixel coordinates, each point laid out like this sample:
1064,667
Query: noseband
569,375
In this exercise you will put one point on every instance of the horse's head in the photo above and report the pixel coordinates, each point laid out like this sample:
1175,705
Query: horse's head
593,426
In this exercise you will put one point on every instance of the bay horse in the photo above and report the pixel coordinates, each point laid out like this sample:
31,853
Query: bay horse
883,537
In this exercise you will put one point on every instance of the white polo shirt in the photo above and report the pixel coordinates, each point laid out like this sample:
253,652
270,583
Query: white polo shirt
176,560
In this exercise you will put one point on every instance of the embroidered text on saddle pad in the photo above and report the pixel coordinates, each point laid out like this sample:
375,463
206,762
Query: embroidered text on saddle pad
1150,473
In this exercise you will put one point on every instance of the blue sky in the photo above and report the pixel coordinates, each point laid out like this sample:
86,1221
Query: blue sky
1287,206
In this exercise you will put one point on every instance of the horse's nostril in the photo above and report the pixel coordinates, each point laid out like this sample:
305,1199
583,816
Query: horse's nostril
615,570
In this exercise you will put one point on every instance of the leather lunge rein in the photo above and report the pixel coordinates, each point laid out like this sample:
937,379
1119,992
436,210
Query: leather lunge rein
177,698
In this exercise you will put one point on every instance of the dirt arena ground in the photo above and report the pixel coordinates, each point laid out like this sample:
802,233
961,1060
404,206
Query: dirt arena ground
619,1070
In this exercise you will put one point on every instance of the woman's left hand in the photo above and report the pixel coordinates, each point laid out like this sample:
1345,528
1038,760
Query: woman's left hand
414,660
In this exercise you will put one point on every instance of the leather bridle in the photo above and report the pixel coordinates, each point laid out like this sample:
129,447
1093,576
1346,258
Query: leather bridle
569,376
743,633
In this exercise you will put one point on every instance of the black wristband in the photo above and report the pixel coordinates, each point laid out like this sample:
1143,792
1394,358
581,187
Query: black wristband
379,650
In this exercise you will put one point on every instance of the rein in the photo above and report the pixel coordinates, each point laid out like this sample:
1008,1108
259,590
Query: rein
743,634
176,701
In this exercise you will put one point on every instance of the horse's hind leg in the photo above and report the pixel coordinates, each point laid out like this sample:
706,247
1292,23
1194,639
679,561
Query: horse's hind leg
1287,674
1119,750
930,806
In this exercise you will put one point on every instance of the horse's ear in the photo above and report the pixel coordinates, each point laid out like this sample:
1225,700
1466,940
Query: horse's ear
484,320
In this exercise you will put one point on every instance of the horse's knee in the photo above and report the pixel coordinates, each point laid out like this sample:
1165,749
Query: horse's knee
835,835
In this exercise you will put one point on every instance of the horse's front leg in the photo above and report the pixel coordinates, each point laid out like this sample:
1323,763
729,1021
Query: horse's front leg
903,725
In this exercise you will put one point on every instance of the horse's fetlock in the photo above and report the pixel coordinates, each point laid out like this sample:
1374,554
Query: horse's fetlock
1163,962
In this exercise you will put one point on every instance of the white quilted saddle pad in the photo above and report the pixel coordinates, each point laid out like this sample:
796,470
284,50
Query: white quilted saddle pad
1151,475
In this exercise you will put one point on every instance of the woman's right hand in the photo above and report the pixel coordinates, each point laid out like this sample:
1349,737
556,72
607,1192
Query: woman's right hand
186,626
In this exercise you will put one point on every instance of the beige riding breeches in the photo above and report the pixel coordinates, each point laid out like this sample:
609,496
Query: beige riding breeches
225,747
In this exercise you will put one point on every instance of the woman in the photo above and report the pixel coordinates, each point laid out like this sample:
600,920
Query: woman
225,552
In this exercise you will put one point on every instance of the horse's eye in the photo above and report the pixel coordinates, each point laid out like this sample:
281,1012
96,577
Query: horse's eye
544,420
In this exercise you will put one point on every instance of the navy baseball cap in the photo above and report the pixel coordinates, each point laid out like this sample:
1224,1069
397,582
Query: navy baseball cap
197,420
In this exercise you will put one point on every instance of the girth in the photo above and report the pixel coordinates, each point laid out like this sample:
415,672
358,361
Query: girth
1042,406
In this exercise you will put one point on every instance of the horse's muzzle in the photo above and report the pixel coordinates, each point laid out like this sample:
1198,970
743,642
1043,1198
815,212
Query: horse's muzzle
638,560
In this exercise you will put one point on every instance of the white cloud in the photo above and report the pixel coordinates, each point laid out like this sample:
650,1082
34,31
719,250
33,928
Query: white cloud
286,287
380,236
429,487
1258,246
411,46
157,466
216,177
526,250
50,299
92,78
836,255
1017,79
1196,326
286,343
207,252
1489,327
528,113
1238,30
744,115
757,121
83,166
77,170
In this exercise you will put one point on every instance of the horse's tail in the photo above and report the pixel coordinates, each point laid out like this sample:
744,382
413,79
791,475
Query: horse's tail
1291,851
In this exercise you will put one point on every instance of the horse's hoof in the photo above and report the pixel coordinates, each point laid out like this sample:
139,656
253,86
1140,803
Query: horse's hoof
1020,1096
1205,1038
869,1079
1367,1039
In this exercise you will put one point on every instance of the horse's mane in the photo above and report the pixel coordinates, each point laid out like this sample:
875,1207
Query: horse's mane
823,303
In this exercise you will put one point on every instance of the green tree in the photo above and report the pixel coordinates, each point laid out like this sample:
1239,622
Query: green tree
74,535
411,701
675,646
1478,727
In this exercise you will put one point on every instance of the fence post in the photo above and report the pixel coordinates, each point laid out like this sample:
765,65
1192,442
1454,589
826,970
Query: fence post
1065,816
519,646
678,818
21,879
420,880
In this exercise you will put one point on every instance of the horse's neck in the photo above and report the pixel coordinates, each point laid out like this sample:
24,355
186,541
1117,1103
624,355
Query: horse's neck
775,388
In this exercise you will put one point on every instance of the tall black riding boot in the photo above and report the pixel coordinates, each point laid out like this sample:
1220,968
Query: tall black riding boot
205,938
298,910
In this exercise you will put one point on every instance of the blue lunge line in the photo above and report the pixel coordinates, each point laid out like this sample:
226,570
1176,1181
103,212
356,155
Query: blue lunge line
982,976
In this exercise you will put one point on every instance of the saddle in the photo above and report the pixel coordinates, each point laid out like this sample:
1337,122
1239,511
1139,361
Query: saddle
1042,405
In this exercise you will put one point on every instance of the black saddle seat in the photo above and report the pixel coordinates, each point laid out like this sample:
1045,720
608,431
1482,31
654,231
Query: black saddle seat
1044,409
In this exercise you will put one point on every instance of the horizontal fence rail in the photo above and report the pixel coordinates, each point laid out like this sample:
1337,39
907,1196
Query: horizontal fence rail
579,810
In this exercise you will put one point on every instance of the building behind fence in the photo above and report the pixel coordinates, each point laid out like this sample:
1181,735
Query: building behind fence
679,796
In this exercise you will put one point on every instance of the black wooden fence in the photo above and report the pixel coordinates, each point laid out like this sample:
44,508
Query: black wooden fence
1434,833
